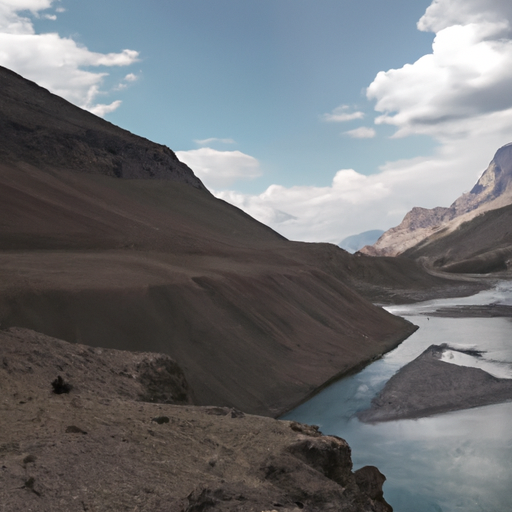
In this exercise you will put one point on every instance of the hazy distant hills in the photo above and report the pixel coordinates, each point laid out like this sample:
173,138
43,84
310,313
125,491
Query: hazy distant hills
355,242
107,239
472,235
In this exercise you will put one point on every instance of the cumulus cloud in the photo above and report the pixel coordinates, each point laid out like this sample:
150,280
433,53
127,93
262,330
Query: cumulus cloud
218,169
101,110
467,76
446,13
341,114
52,61
212,140
314,213
127,80
362,132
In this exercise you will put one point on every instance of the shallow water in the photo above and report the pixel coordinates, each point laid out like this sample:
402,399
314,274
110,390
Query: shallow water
458,461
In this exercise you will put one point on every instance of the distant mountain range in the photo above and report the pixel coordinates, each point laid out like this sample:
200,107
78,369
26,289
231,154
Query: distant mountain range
472,235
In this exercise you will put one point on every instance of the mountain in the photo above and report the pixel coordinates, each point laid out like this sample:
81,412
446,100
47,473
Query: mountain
355,242
481,245
492,191
108,240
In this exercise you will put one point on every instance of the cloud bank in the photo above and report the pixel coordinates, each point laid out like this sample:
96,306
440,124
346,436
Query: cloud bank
219,169
52,61
459,95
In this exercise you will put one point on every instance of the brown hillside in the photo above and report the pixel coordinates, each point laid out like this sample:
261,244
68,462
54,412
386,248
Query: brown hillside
106,239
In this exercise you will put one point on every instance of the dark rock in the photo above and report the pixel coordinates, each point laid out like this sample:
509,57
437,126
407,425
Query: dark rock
60,387
205,499
163,381
370,480
303,428
330,455
72,429
161,420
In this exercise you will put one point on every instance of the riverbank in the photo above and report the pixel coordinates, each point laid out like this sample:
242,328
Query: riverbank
450,461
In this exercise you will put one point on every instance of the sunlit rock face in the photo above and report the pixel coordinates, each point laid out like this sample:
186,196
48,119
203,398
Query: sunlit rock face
493,190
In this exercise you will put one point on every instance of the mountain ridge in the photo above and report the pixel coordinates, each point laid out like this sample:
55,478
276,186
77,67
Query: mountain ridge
493,190
64,136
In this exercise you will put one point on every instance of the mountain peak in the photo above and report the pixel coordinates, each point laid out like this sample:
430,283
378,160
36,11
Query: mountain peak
42,129
493,190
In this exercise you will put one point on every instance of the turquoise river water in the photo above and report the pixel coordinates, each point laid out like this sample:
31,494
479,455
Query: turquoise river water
457,461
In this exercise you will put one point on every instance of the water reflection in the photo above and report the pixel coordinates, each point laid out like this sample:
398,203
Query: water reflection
460,461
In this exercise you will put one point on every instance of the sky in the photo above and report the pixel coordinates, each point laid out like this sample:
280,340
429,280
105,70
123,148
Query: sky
320,118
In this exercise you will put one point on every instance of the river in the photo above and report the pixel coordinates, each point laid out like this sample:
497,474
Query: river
457,461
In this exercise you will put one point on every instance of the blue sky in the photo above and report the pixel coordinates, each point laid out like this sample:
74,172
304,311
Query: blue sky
321,118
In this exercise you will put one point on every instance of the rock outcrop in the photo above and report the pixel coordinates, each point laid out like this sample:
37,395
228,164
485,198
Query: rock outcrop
46,131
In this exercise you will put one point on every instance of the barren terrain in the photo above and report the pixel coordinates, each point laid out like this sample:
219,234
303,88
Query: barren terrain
100,447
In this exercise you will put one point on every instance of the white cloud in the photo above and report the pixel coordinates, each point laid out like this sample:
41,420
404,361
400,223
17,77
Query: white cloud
211,140
446,13
468,74
341,114
128,79
101,110
52,61
218,169
361,133
315,213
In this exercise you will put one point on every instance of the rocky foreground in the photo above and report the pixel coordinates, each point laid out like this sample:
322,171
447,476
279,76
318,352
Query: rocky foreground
85,429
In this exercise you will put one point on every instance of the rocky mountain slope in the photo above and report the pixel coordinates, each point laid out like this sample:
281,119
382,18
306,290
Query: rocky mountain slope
492,191
107,240
102,447
482,245
50,133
